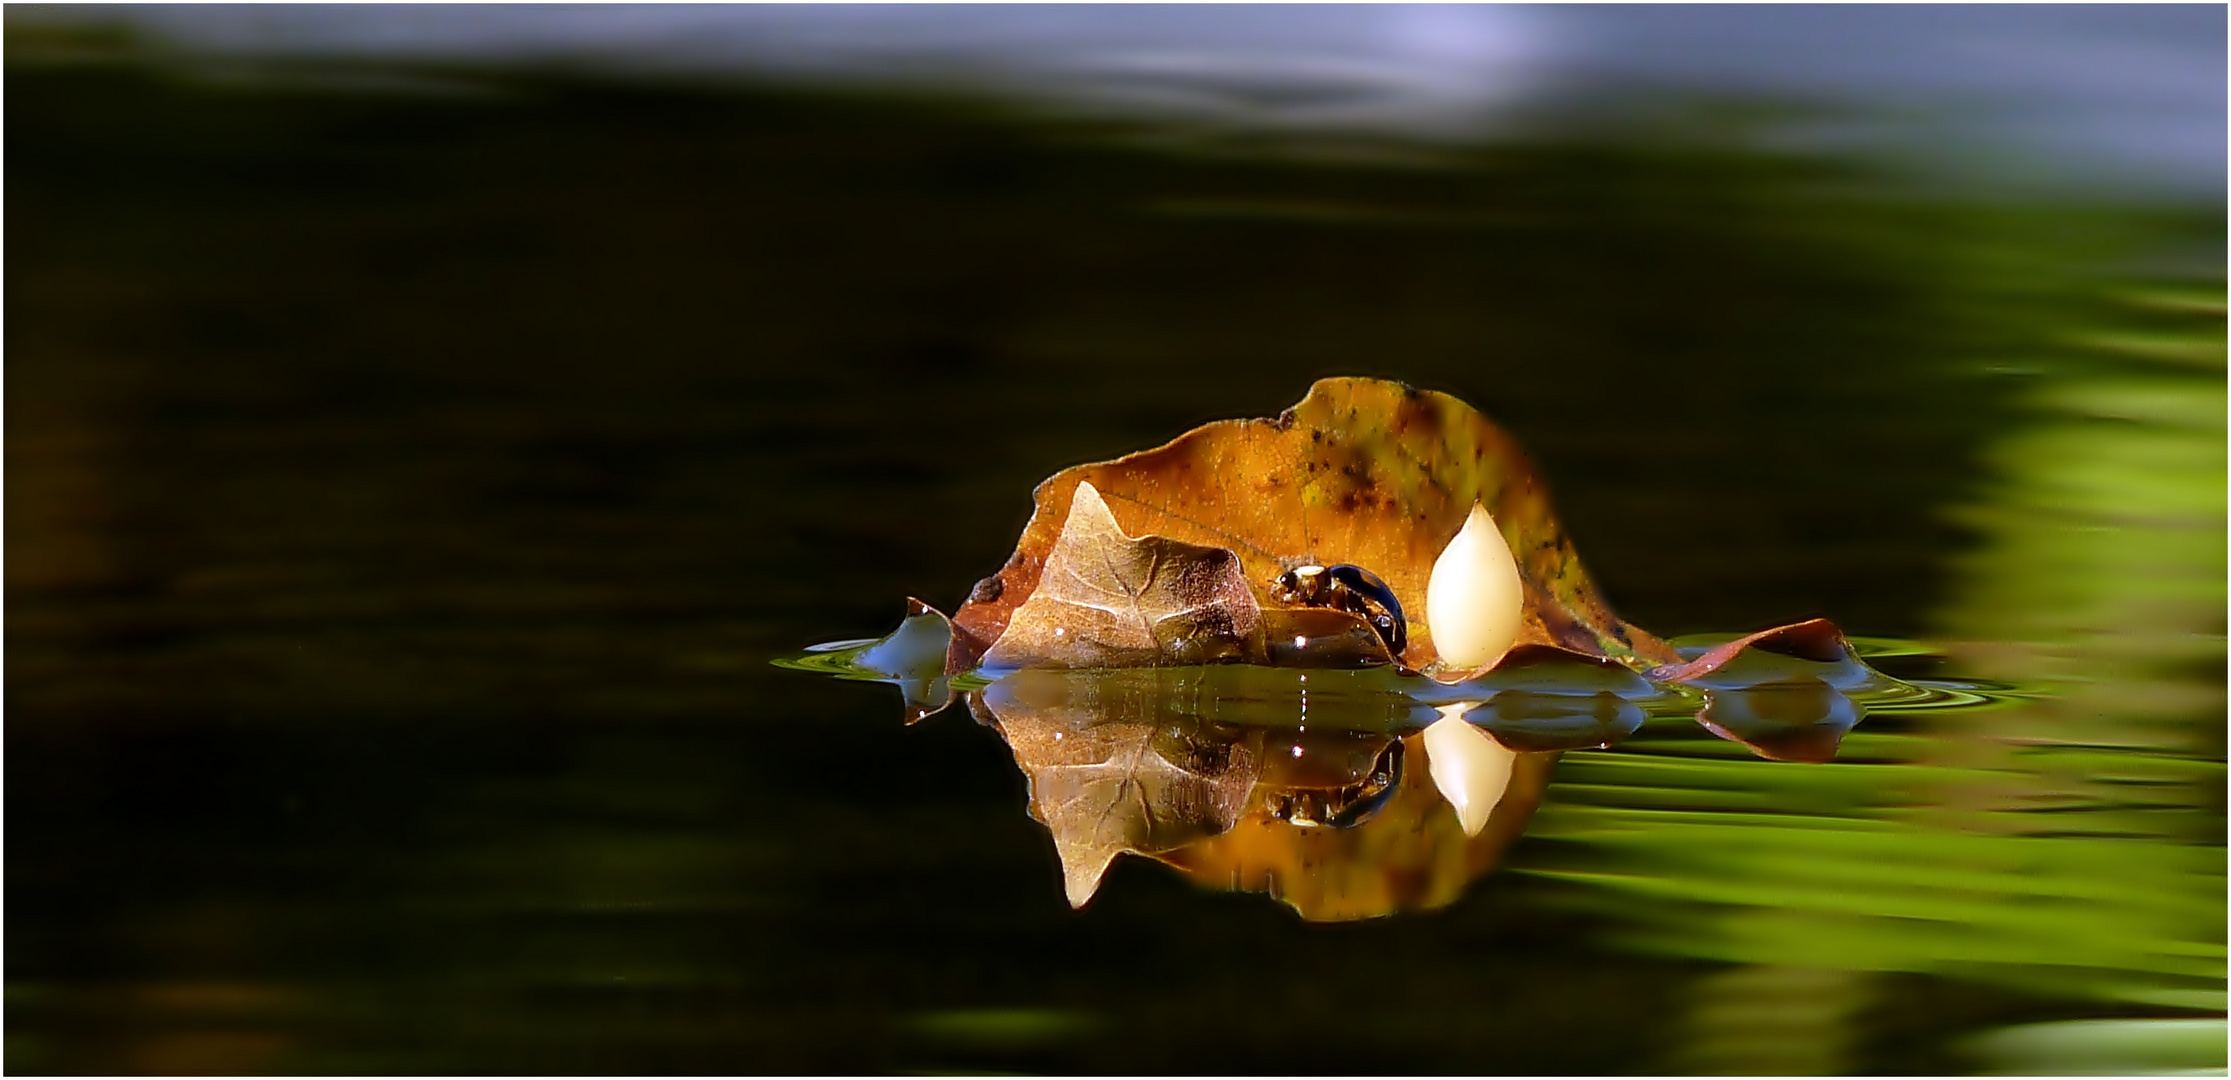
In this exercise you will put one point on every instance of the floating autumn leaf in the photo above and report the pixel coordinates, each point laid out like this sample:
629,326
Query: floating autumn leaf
1105,600
1361,472
1814,650
1330,656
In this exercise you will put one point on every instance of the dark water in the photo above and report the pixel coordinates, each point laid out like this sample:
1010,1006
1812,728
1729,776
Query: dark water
407,494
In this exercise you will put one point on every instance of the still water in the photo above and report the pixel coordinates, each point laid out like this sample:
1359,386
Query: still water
410,494
1357,793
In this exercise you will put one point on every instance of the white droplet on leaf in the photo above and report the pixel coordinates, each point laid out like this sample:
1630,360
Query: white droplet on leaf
1471,769
1474,599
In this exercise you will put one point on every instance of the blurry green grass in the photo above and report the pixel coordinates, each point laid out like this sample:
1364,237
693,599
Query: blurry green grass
2068,843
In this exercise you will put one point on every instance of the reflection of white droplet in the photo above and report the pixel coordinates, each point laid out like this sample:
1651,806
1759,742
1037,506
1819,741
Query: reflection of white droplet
1470,768
1058,631
1474,598
1297,751
1300,641
1057,736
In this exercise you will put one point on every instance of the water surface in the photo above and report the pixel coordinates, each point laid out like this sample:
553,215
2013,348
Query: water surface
408,496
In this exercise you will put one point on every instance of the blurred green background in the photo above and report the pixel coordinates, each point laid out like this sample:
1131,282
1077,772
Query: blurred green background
410,478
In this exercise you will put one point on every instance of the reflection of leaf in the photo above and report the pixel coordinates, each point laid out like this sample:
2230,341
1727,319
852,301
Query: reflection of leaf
1104,785
1242,695
1796,721
1529,720
1131,760
1360,471
1105,599
1413,855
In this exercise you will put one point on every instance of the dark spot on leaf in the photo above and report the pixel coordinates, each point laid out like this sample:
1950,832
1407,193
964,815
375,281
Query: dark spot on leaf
1285,420
987,590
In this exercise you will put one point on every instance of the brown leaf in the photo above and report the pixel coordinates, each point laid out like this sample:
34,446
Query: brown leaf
1105,599
1103,785
1810,651
1361,471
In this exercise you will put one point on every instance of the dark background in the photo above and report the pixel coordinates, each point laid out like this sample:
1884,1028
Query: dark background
408,490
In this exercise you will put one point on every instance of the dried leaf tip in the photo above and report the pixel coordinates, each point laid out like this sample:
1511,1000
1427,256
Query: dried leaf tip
1474,600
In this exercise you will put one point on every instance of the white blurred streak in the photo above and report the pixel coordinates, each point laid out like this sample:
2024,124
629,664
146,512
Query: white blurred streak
2130,96
1272,65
